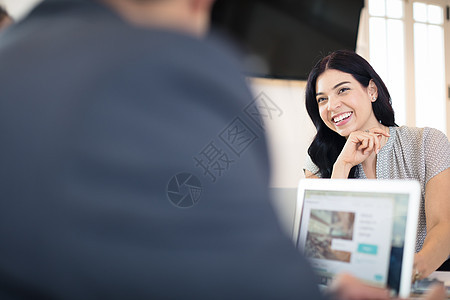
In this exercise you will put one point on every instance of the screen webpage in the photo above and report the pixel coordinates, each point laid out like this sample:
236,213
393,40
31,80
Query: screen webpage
355,232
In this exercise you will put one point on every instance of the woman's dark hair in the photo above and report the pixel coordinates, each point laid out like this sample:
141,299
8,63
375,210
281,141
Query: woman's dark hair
327,144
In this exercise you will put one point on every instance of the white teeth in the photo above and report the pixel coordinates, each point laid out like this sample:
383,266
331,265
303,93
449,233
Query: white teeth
341,117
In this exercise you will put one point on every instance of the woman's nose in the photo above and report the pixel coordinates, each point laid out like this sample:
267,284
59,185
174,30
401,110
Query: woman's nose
333,103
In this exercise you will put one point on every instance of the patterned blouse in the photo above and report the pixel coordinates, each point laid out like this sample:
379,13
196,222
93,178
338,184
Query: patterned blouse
410,153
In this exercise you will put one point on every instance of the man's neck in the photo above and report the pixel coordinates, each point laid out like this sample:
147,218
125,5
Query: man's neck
173,15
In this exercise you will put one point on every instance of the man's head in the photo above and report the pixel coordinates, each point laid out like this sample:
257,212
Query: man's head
189,16
5,19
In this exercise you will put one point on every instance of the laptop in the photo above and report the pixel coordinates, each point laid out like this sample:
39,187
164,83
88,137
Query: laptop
363,227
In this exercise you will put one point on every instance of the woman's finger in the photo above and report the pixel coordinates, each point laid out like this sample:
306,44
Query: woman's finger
370,146
377,142
364,143
377,130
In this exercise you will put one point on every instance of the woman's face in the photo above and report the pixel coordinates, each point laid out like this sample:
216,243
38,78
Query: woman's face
344,104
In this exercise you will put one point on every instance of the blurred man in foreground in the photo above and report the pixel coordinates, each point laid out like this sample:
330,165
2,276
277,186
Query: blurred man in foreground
114,115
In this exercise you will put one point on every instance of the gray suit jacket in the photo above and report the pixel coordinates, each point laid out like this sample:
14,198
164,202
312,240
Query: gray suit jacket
132,167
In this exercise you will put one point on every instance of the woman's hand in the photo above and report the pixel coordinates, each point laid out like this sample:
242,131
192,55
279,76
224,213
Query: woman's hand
436,247
419,268
359,146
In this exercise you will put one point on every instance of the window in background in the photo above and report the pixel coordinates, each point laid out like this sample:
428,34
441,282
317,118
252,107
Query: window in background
429,63
386,48
407,49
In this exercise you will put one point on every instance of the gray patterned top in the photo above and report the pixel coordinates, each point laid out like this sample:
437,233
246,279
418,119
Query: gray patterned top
410,153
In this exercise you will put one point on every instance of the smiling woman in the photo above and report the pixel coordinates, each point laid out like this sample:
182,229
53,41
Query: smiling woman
343,95
357,137
341,99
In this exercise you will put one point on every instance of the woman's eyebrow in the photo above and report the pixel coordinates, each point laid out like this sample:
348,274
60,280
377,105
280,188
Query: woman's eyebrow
339,84
334,87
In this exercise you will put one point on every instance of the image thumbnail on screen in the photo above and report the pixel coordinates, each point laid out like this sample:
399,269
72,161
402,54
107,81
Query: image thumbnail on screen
326,226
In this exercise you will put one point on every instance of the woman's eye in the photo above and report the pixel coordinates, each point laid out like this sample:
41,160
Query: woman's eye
321,99
343,90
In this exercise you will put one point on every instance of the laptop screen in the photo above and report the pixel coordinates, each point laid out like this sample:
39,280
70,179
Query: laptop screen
358,232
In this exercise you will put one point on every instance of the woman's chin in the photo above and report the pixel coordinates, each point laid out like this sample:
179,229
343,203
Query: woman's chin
343,132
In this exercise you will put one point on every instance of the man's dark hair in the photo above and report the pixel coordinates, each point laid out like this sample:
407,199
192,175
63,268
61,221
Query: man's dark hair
3,14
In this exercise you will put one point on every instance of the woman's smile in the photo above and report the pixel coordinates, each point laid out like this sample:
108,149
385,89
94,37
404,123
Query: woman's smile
342,119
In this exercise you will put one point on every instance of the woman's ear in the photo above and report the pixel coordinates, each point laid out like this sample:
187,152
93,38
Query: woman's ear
372,90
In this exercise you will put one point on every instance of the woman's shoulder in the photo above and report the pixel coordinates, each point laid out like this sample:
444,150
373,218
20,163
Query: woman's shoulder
311,166
405,136
418,135
414,133
407,130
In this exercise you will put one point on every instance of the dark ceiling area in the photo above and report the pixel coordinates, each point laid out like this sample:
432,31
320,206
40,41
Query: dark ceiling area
284,38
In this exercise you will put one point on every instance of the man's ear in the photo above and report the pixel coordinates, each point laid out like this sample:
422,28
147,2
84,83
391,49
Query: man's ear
372,90
203,6
200,15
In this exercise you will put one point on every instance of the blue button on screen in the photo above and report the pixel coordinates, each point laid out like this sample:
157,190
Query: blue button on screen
367,249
